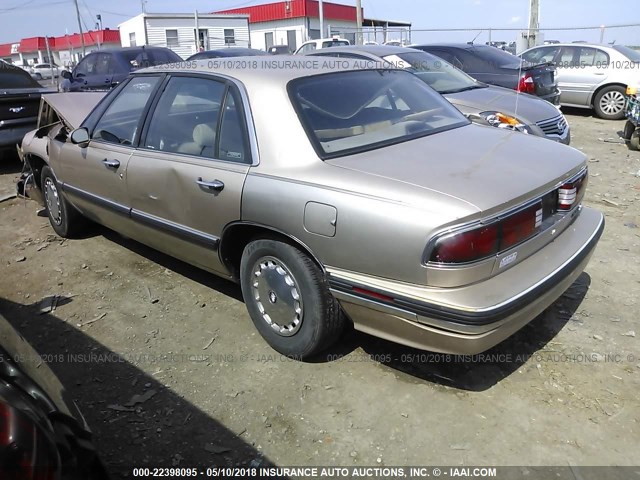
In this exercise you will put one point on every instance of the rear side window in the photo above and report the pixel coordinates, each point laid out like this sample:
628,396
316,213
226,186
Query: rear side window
121,119
199,117
541,55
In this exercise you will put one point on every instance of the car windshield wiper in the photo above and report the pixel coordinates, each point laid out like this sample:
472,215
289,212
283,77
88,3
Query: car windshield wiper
463,89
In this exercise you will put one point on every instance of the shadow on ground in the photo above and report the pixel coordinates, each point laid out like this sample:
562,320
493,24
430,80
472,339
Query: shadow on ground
163,430
478,372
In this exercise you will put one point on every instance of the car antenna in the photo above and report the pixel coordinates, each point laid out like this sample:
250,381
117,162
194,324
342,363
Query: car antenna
474,38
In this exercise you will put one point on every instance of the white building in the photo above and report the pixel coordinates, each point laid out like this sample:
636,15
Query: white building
177,31
293,22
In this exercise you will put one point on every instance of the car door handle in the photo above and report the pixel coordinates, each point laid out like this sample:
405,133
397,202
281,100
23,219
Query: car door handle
599,73
111,163
215,185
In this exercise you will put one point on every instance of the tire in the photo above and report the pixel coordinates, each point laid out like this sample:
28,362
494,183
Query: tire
64,218
634,143
278,280
38,76
609,102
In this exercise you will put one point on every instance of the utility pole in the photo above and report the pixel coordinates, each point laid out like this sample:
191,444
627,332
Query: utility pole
534,22
144,6
359,22
99,18
80,27
321,15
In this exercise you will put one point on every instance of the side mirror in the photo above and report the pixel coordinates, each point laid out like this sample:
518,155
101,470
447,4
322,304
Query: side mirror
80,137
65,74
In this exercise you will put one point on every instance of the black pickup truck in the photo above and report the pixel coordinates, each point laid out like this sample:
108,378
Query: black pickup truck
19,104
496,67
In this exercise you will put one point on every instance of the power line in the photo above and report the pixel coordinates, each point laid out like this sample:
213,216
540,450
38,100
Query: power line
30,6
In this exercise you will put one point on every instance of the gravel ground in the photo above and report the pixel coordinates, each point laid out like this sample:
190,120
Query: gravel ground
130,321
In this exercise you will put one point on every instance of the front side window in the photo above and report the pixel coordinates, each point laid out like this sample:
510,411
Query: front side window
87,66
541,55
350,112
198,117
121,119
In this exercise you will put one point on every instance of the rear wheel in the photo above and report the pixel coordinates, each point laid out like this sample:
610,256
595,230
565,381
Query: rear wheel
634,143
288,299
609,102
64,218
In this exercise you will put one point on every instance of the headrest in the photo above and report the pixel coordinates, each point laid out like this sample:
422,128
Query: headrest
204,135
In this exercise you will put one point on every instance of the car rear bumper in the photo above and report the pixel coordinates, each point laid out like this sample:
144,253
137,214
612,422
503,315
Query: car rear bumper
474,318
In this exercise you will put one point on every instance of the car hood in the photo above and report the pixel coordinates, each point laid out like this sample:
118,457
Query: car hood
489,168
73,108
523,106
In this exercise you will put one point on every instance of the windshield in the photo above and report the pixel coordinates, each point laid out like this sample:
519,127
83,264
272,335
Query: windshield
631,54
354,111
435,72
14,77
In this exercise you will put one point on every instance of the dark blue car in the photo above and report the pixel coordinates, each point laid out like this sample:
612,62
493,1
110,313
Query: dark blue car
105,69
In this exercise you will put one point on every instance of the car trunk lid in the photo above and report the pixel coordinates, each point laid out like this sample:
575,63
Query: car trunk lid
18,107
489,168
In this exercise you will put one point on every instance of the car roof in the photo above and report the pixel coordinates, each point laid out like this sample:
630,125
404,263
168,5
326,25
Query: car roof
571,44
466,46
377,50
263,70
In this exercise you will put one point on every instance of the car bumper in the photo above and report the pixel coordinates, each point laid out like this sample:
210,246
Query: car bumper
471,319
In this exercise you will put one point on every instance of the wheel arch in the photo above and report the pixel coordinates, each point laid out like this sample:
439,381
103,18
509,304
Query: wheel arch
592,100
36,163
236,236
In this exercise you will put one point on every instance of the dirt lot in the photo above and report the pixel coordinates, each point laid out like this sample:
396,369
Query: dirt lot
563,391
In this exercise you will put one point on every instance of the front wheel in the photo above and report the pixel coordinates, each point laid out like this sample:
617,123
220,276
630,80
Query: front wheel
288,299
64,218
610,102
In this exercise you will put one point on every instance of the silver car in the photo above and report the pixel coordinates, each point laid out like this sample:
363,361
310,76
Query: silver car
331,194
488,104
591,75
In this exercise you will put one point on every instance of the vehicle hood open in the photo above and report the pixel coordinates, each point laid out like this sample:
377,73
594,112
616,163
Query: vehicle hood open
487,167
73,108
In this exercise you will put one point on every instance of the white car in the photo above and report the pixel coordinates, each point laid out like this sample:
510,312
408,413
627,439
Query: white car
311,45
40,71
591,75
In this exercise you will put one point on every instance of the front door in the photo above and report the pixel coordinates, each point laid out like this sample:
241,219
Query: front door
95,176
580,71
185,181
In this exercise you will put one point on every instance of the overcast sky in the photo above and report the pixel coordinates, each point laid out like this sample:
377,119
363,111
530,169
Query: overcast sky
28,18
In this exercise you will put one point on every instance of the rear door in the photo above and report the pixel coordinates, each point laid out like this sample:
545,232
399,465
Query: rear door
185,181
580,70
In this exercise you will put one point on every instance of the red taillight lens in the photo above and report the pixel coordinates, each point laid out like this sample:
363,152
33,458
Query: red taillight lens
466,246
520,226
526,85
571,193
25,453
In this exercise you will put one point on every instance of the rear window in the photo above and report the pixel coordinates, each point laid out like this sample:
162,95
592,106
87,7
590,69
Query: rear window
495,56
149,58
349,112
14,77
335,43
630,53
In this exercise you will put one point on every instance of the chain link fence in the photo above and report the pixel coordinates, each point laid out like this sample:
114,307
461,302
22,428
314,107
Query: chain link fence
512,39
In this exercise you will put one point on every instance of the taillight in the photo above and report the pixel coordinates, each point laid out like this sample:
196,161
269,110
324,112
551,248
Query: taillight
487,240
520,226
25,452
466,246
571,193
526,85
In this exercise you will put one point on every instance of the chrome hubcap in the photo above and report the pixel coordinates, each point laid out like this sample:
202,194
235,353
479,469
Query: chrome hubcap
53,201
612,103
276,293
